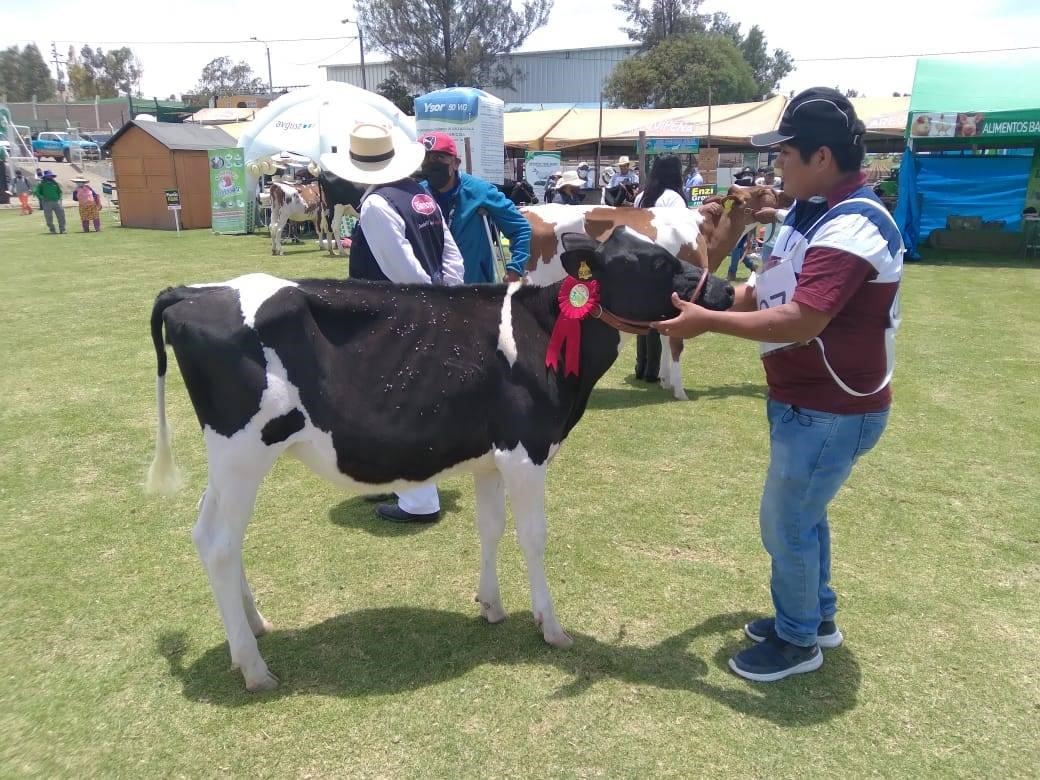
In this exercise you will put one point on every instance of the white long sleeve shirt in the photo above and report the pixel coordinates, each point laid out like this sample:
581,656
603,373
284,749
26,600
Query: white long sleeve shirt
384,230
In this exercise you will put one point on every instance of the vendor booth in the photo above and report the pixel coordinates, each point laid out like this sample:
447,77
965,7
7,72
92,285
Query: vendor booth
970,171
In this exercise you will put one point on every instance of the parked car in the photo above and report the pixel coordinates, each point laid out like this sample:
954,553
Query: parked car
59,146
100,138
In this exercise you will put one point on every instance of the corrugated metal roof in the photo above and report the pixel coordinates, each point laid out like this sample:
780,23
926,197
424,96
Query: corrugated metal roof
563,76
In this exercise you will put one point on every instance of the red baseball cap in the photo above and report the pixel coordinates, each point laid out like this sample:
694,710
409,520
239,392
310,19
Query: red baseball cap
439,142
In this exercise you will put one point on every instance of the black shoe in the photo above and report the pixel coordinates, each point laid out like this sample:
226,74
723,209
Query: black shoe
377,497
774,659
395,514
827,635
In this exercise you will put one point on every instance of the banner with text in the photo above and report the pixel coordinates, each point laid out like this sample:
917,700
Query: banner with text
1000,125
230,203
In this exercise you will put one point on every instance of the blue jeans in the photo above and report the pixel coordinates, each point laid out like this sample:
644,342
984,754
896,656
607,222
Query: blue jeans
736,254
811,456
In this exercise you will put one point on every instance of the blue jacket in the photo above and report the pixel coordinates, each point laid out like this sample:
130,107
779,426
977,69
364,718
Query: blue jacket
468,228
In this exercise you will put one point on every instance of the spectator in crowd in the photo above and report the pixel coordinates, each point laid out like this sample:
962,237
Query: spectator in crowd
49,193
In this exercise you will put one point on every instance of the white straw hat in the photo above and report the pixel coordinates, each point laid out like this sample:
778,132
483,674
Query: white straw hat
378,155
569,178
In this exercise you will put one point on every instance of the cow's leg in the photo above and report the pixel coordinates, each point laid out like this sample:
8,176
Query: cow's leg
218,538
673,348
275,228
491,524
258,624
526,484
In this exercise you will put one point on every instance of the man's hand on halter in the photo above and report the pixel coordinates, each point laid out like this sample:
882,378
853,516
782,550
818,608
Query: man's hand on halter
692,320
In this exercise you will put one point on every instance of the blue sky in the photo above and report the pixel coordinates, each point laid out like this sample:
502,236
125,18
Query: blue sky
809,30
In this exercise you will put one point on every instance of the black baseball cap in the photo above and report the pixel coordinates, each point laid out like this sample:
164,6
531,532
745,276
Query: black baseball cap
818,114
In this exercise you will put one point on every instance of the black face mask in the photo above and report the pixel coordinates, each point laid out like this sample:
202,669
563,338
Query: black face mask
438,174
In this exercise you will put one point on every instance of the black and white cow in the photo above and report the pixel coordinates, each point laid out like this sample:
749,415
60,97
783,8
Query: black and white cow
378,387
338,197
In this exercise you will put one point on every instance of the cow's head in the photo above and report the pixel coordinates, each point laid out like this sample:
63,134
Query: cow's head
637,277
728,217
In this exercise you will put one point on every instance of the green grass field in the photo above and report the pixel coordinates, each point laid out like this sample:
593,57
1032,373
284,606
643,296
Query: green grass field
113,655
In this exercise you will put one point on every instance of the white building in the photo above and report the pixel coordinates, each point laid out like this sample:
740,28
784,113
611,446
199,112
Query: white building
565,76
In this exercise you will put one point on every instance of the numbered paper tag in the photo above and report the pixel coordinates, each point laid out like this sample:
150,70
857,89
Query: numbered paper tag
774,287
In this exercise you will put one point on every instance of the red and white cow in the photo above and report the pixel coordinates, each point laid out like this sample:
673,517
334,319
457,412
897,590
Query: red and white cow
703,237
292,203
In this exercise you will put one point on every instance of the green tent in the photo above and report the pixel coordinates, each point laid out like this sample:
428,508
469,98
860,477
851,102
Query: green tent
976,101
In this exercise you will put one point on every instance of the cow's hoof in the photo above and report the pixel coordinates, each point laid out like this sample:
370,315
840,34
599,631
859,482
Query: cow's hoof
261,680
554,634
680,394
558,638
492,612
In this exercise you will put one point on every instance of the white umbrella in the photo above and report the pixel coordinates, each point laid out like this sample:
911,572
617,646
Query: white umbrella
308,122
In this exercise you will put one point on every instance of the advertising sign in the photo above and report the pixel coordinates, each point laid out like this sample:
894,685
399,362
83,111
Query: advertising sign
699,194
467,113
539,166
231,204
977,125
672,145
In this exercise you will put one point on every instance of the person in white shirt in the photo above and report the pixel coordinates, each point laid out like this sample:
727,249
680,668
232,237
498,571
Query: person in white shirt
664,189
692,178
621,190
768,179
401,237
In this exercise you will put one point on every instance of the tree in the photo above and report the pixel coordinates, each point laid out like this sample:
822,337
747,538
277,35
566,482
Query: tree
663,19
678,72
123,71
440,43
398,93
222,77
24,74
768,68
851,93
667,18
95,73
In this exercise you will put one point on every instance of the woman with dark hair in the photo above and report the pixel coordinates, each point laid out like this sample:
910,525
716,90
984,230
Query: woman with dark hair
664,189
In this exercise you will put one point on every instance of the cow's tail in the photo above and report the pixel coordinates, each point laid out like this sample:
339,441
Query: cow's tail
163,475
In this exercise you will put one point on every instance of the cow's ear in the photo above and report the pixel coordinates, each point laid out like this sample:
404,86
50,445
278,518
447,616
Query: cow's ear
579,250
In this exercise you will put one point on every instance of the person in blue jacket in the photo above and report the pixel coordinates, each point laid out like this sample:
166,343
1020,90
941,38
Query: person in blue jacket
462,197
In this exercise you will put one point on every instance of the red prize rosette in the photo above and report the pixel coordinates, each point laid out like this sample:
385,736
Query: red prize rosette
578,298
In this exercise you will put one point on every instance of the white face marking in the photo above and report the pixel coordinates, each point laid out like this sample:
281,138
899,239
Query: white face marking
506,339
